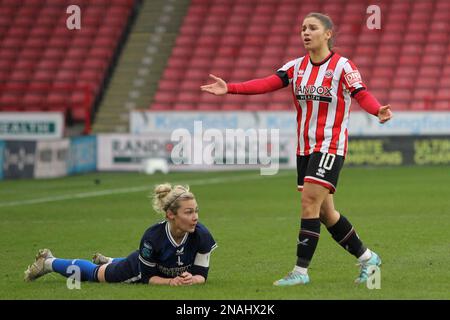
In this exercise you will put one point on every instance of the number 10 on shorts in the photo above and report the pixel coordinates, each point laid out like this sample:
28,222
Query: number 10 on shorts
327,161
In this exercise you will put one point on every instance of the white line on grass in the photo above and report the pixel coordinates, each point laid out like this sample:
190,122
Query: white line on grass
108,192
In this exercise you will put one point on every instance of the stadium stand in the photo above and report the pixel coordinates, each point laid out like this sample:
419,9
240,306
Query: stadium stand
406,63
141,63
45,66
162,55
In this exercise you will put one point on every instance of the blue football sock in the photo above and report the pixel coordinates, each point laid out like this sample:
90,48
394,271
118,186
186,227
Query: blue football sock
88,270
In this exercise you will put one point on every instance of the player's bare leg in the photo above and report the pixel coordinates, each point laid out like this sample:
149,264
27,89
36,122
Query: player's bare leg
101,273
345,235
328,214
313,196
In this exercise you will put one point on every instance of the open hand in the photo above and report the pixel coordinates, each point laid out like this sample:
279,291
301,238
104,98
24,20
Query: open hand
217,88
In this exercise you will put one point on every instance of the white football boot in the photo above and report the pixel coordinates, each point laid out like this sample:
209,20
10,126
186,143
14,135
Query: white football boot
37,269
100,259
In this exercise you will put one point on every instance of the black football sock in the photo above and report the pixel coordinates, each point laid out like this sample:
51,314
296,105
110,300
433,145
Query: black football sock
307,241
344,234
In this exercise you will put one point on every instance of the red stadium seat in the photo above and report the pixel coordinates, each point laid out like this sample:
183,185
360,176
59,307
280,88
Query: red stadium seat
400,95
190,97
208,106
412,49
44,75
441,105
406,72
180,106
432,60
224,62
400,105
421,94
160,106
429,71
424,82
21,75
409,60
443,94
66,76
418,105
71,64
10,99
168,85
386,61
445,81
280,106
380,83
435,49
240,75
55,98
383,72
380,94
165,97
48,64
403,83
34,99
231,107
200,63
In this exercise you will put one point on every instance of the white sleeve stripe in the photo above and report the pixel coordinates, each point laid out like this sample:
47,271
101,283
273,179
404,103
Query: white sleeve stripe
348,67
146,262
288,65
214,247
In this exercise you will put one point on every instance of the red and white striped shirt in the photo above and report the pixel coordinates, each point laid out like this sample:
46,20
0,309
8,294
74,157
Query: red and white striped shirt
322,95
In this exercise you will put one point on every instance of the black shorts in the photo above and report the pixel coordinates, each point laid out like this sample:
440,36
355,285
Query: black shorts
319,168
126,270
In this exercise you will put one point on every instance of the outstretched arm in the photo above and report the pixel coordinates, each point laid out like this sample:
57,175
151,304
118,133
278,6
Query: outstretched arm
257,86
370,104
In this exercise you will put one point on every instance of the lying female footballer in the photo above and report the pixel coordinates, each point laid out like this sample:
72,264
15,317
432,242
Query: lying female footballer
174,252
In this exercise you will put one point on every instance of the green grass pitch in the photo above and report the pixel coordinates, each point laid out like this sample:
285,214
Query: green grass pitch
401,213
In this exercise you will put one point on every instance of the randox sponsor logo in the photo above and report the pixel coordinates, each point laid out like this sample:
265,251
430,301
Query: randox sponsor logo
134,151
314,93
26,127
323,91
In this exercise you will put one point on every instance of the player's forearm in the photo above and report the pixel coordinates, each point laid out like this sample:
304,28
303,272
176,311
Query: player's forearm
256,86
198,279
155,280
368,102
159,280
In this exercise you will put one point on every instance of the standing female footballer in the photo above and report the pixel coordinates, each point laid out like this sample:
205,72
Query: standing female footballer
174,252
322,84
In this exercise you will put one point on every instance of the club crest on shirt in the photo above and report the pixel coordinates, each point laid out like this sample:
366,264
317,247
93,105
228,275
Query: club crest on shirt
180,251
329,74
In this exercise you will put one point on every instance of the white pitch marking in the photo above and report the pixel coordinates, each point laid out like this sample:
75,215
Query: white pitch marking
108,192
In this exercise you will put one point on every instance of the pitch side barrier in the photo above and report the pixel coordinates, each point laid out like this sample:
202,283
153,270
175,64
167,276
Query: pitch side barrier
127,152
47,158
